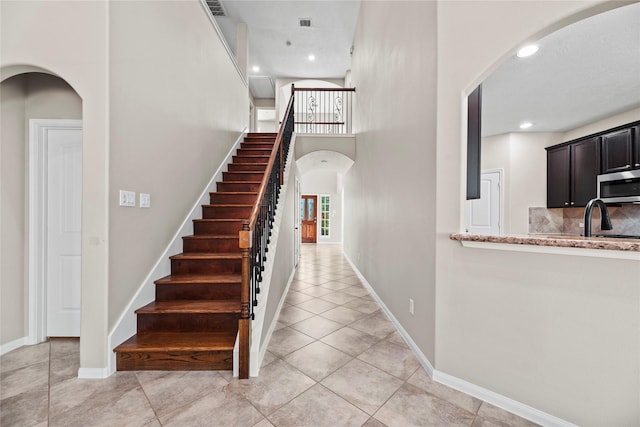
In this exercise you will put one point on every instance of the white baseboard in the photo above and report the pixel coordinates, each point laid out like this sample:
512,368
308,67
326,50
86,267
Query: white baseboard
424,361
274,321
12,345
503,402
518,408
93,373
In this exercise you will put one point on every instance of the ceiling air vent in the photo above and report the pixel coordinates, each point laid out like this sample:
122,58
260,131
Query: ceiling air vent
216,8
305,22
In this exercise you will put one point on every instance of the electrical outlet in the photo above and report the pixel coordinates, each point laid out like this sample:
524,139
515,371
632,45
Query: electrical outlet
411,306
127,198
145,200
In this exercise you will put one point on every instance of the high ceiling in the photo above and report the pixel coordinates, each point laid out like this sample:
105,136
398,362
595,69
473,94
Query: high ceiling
281,47
584,72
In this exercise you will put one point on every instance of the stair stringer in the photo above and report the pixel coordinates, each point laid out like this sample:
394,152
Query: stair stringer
258,346
126,325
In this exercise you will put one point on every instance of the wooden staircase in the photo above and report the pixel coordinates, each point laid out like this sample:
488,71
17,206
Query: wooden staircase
193,322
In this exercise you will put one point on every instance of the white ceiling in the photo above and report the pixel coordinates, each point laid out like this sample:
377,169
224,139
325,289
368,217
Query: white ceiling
272,23
324,160
582,73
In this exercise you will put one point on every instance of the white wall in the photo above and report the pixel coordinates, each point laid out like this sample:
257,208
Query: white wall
524,160
326,182
390,189
604,124
69,39
283,263
558,333
177,106
23,97
13,224
162,103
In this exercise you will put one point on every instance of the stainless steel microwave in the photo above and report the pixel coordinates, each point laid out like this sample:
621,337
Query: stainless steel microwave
619,187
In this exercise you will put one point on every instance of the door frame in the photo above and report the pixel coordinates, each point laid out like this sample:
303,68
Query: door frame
500,173
315,217
38,152
297,232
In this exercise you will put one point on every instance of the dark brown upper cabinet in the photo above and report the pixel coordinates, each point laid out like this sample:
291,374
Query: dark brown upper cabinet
618,151
636,147
572,171
474,132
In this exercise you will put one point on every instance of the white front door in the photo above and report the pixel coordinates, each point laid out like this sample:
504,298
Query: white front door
64,201
484,214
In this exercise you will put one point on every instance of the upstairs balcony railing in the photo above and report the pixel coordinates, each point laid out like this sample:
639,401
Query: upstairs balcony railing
323,110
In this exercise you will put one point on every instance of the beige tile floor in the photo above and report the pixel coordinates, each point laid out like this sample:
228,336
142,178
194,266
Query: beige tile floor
334,360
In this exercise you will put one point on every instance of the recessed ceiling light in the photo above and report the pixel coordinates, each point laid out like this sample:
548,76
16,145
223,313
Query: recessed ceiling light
256,68
525,125
527,51
312,57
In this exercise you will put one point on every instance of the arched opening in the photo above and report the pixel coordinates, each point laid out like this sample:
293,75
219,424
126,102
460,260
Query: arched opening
41,193
322,190
576,84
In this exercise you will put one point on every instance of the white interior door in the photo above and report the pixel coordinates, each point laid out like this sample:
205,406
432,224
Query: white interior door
296,234
64,202
484,214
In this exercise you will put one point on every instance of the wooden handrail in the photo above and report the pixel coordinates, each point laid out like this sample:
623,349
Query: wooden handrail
249,286
272,158
325,89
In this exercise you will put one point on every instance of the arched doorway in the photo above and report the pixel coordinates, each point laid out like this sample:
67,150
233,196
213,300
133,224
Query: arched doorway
41,174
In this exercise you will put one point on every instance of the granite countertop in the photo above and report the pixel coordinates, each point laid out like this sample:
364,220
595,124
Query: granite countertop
557,240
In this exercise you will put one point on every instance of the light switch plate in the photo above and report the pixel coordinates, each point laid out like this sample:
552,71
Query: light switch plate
127,198
145,200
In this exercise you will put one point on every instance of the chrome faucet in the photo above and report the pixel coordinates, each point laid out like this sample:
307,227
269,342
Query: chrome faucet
605,221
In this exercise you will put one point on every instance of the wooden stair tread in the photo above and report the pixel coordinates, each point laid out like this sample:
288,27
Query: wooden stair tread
199,278
239,182
211,236
228,205
178,341
190,307
265,156
243,193
206,255
213,220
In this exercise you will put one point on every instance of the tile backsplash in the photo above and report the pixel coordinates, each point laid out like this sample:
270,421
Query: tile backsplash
624,218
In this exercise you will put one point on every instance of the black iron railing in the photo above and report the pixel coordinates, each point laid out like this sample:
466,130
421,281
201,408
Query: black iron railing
256,233
323,110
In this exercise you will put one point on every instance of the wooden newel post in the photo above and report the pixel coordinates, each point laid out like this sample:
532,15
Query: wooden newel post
244,323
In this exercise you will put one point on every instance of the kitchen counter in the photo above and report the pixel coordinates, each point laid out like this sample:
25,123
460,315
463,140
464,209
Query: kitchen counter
567,244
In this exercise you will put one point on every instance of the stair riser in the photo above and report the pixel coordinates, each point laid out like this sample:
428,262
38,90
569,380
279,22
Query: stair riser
270,138
175,361
231,187
222,227
242,176
198,291
233,199
263,146
217,245
253,152
250,159
239,167
191,322
223,212
199,266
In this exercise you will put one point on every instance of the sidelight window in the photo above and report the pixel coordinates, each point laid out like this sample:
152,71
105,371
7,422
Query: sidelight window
325,215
